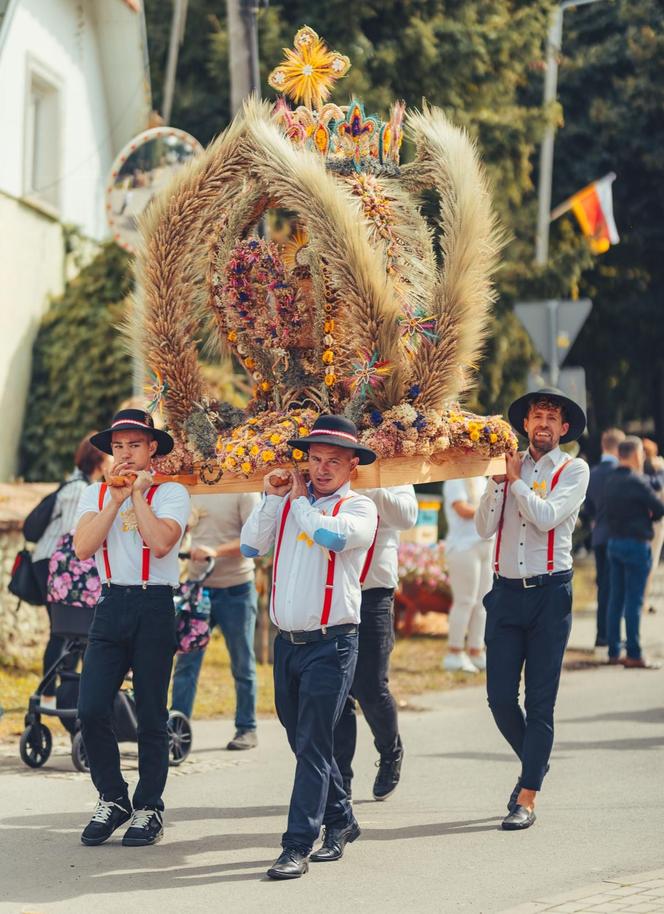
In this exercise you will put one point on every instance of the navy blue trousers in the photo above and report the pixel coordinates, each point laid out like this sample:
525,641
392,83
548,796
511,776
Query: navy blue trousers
311,685
371,686
527,631
132,629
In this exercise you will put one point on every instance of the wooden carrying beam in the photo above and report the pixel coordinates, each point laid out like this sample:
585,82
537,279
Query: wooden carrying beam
394,471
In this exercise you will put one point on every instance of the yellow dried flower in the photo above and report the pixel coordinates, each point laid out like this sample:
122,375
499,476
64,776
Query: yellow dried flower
255,451
265,386
328,357
246,467
219,446
268,455
250,363
275,439
229,445
303,431
252,421
328,326
493,437
330,379
232,336
474,435
240,451
230,462
297,454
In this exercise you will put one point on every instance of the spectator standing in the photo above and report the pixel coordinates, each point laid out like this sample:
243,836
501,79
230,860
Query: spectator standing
89,465
468,557
216,534
654,469
596,510
631,508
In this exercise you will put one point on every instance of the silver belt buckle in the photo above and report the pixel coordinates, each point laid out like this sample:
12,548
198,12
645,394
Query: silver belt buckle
526,585
293,640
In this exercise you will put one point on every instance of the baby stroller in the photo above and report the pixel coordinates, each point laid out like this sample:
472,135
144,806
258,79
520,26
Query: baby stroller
72,623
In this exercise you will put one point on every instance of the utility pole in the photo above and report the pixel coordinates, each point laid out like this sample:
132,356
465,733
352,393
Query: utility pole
243,50
177,37
553,48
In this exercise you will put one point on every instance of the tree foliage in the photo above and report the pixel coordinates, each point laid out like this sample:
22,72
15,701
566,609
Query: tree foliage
81,369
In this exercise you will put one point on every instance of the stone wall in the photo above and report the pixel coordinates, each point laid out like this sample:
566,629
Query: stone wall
23,632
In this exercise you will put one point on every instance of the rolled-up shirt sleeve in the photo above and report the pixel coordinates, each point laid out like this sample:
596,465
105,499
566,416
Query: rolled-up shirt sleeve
488,511
559,504
259,530
354,527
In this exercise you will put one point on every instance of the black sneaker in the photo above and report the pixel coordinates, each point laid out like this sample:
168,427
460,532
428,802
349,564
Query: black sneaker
109,815
389,772
146,827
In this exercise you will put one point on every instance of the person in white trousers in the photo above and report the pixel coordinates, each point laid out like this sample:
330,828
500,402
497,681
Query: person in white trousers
469,566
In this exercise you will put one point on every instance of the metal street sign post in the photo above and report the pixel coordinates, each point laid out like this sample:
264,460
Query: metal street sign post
553,325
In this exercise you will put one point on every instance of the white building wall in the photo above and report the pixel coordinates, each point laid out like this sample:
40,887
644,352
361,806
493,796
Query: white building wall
58,36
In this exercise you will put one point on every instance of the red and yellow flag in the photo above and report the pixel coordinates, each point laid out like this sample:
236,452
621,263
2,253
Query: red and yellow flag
593,208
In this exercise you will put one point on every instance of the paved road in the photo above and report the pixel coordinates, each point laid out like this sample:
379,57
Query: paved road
434,847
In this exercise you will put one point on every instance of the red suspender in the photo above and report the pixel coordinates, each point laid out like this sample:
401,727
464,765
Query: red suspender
104,545
282,525
331,562
499,537
369,558
552,532
329,580
145,565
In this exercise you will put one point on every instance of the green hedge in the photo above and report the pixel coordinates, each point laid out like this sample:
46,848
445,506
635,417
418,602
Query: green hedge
81,370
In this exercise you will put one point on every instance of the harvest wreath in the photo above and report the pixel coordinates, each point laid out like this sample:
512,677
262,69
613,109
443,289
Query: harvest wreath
299,243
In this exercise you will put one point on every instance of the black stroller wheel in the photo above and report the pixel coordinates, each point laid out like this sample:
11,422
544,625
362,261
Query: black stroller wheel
179,738
78,754
35,745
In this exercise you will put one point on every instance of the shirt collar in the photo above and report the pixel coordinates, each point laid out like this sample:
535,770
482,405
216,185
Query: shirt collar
341,492
553,456
609,458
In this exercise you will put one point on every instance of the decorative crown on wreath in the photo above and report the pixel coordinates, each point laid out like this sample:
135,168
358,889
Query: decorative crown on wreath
298,241
344,135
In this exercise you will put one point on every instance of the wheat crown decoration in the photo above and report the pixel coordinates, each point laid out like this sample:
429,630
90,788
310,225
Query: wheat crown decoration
298,241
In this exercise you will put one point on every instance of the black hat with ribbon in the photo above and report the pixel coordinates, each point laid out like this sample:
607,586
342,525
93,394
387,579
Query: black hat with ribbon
133,420
338,431
573,414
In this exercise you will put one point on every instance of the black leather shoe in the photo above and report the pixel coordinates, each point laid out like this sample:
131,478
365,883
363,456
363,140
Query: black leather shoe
389,772
290,865
109,815
514,796
335,841
519,819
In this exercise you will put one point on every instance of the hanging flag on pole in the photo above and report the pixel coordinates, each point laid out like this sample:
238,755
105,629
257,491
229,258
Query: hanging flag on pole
593,208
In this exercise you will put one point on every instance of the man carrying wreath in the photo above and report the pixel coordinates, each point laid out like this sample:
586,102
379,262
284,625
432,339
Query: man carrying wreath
322,533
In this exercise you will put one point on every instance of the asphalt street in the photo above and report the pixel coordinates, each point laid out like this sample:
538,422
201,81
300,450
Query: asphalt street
435,846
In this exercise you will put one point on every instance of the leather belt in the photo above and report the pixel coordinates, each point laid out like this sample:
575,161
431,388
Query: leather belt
319,634
538,580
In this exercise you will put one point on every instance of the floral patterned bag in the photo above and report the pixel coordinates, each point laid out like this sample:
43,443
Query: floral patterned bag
71,580
192,616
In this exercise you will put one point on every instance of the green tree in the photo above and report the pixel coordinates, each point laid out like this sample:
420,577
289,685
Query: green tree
612,94
81,369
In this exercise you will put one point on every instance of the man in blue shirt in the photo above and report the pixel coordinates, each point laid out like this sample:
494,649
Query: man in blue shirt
596,508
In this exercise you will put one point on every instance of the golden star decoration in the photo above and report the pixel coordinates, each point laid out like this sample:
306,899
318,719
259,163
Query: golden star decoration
308,72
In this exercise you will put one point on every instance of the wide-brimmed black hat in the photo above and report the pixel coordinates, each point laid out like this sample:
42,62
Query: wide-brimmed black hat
340,432
573,412
132,420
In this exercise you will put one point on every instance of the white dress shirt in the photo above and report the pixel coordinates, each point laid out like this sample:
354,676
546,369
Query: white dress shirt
397,510
532,509
310,531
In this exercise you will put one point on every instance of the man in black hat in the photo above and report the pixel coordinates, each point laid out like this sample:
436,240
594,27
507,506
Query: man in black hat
532,510
133,528
322,533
